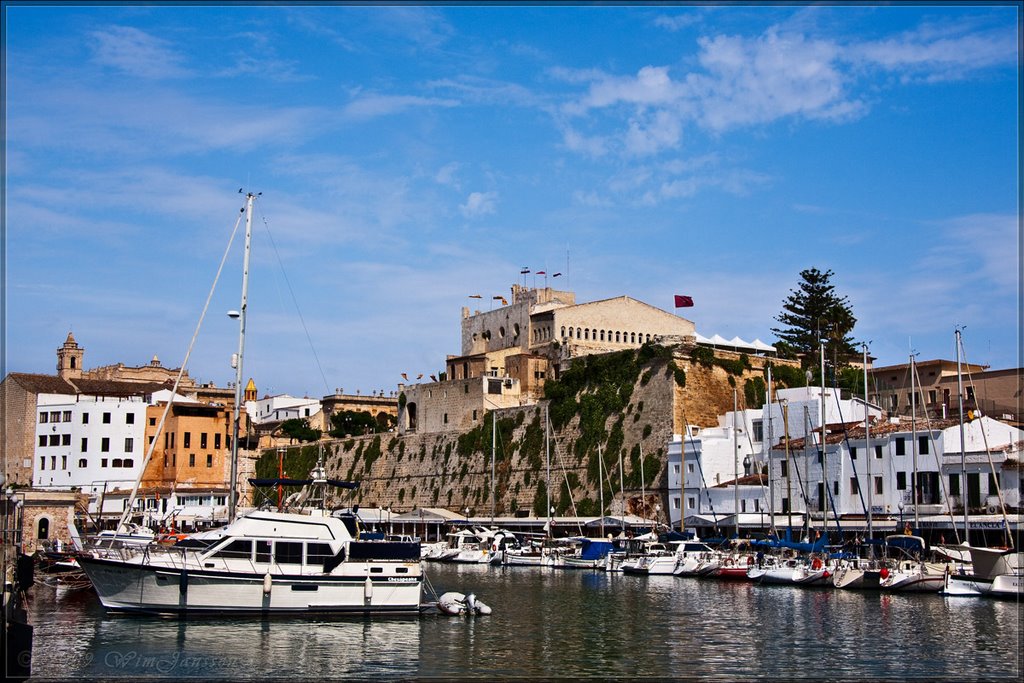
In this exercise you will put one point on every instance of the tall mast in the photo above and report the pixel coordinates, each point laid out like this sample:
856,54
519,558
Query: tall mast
600,484
233,492
824,469
735,465
768,452
622,493
867,442
789,465
547,459
913,438
494,438
643,485
963,449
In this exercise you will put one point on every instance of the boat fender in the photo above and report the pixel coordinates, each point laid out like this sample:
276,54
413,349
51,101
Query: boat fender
816,564
494,547
368,588
750,560
884,573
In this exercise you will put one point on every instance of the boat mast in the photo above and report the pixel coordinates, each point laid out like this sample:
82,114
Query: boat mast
824,470
867,443
494,438
643,491
789,465
547,458
913,437
963,449
600,484
735,465
237,360
622,493
768,452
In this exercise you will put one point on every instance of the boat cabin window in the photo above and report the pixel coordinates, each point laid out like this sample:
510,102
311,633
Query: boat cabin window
239,548
263,551
288,552
318,553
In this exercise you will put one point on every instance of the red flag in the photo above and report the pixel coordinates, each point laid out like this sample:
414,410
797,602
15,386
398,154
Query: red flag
540,272
683,301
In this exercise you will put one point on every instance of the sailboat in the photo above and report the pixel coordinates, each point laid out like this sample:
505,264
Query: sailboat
264,561
998,572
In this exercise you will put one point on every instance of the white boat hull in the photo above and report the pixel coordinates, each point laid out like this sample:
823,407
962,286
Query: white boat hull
125,586
1006,586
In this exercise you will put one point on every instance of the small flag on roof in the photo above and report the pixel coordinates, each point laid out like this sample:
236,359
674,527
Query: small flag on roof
683,301
541,272
524,271
475,296
556,275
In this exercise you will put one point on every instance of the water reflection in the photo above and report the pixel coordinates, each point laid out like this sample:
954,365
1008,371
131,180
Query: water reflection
556,623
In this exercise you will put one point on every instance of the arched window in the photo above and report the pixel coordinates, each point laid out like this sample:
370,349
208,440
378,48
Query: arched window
73,361
617,338
82,462
602,335
116,463
586,334
43,529
648,337
563,331
578,335
570,333
632,337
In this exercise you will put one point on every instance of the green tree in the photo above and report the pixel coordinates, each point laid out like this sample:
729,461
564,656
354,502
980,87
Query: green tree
300,430
813,312
351,422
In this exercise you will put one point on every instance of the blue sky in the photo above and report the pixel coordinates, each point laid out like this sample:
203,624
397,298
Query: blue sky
411,156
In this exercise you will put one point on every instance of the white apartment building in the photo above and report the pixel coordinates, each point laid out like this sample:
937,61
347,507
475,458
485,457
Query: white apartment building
280,408
93,443
703,467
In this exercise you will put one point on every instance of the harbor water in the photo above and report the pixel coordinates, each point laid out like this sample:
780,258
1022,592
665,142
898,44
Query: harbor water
554,623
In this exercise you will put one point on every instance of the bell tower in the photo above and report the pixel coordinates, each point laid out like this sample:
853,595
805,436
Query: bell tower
69,358
250,391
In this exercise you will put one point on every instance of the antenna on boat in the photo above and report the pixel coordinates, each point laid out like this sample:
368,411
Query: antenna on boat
233,491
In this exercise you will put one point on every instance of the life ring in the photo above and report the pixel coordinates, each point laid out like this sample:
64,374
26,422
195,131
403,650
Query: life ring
816,564
494,547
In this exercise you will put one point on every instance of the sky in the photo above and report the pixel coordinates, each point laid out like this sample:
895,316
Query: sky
411,156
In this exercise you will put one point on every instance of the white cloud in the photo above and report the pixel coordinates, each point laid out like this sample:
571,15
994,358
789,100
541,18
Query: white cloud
652,134
676,22
372,106
652,85
592,146
479,204
767,78
936,53
446,175
136,52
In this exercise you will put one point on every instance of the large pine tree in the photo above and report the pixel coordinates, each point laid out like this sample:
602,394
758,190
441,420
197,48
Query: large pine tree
813,312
